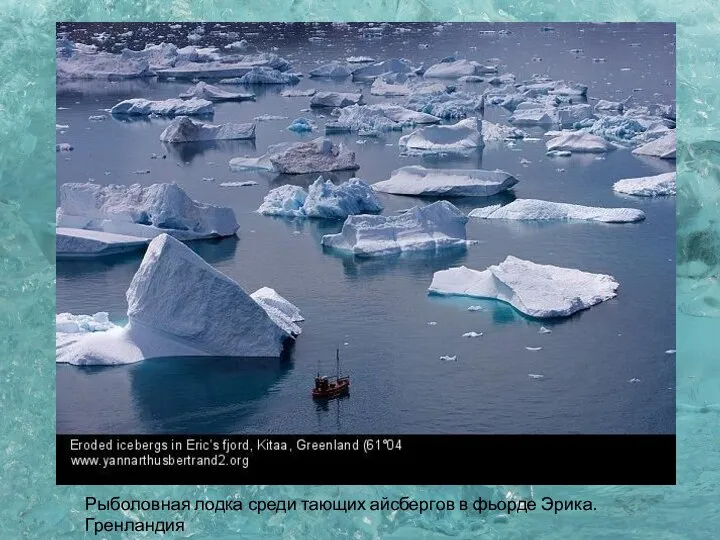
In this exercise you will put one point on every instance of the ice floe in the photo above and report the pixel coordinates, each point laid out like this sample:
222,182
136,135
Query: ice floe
579,141
63,147
534,114
67,323
604,105
569,115
323,199
179,305
663,147
142,211
499,132
229,67
335,99
393,66
535,210
648,186
333,70
203,90
440,103
78,62
264,75
437,226
300,125
462,137
457,68
185,129
540,291
298,92
167,107
81,243
373,119
319,155
420,181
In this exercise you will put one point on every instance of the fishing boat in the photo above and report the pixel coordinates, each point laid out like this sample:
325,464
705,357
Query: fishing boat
331,387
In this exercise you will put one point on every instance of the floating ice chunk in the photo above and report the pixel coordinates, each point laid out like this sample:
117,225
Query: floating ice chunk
193,65
203,90
463,137
544,330
280,310
99,65
142,211
438,102
237,46
184,129
534,349
300,125
160,56
457,68
471,79
604,105
420,181
97,118
541,291
333,70
377,118
437,226
648,186
63,147
579,141
432,323
269,117
505,78
382,88
538,115
359,59
393,66
322,200
319,155
168,107
67,323
634,380
178,305
266,75
80,243
447,358
476,308
570,114
472,334
335,99
247,183
299,92
536,376
61,126
618,128
499,132
670,351
561,88
535,210
663,147
558,153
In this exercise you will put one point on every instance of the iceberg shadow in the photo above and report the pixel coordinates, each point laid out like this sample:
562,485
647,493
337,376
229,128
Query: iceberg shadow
122,89
188,151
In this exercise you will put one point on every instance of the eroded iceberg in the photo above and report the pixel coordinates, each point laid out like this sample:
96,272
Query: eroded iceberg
319,155
179,305
536,210
233,66
167,107
579,141
457,68
323,199
203,90
143,212
373,119
333,70
77,61
437,226
648,186
536,290
664,147
335,99
184,129
73,243
391,67
534,114
265,75
421,181
462,137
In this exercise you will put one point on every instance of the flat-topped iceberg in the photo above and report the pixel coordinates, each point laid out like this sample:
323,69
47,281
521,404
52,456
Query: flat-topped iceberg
648,186
536,210
534,114
203,90
569,115
335,99
371,119
420,181
234,66
142,211
578,141
184,129
461,137
323,199
179,305
391,67
319,155
536,290
499,132
75,61
440,103
160,56
264,75
457,68
664,147
79,243
333,70
437,226
605,105
167,107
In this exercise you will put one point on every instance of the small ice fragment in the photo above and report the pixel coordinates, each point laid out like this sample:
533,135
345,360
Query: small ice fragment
472,334
476,308
268,117
449,358
208,179
544,330
534,348
239,184
432,323
535,376
346,344
146,171
97,118
524,161
63,147
670,351
634,380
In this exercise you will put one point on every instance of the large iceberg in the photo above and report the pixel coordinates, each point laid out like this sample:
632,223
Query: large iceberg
371,119
322,200
462,137
420,181
161,56
184,129
167,107
391,67
648,186
440,103
143,212
500,132
179,305
578,141
537,290
80,243
264,75
535,210
319,155
333,70
437,226
76,61
569,115
335,99
203,90
664,147
535,114
457,68
234,66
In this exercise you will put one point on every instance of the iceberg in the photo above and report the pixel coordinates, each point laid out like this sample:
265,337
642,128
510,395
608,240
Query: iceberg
437,226
462,137
440,103
618,129
298,92
420,181
534,114
184,129
370,119
241,45
143,212
300,125
604,105
63,147
499,132
571,114
74,63
579,141
382,88
168,107
333,70
319,155
203,90
664,147
335,99
322,200
79,243
67,323
161,56
393,66
359,59
457,68
536,290
265,75
179,305
535,210
648,186
235,66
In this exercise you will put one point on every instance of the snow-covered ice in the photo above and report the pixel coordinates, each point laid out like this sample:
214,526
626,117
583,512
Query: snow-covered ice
540,291
266,75
605,105
648,186
372,119
571,114
333,70
579,141
74,63
359,59
142,211
536,210
179,305
246,183
323,199
203,90
80,243
393,66
335,99
462,137
437,226
215,69
421,181
319,155
167,107
67,323
534,114
298,92
500,132
184,129
457,68
664,147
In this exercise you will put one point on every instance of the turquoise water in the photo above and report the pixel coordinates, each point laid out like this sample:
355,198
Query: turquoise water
34,508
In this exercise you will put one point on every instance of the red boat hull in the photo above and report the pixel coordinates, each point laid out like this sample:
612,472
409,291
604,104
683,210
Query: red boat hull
334,390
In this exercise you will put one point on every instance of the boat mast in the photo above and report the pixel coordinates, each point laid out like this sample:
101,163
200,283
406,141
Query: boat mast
337,355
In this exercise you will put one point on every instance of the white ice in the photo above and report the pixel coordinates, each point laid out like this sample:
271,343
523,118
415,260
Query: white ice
298,92
500,132
241,65
371,119
80,243
648,186
570,114
319,155
333,70
457,68
535,210
75,62
579,141
203,90
534,114
167,107
393,66
663,147
184,129
540,291
265,75
604,105
461,137
335,99
421,181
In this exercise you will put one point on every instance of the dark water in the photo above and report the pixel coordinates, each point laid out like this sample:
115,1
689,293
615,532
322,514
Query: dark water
378,311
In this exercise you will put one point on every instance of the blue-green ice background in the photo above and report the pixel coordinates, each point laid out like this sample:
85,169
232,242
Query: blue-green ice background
30,504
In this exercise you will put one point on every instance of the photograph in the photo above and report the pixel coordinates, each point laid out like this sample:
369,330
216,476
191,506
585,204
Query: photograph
367,228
